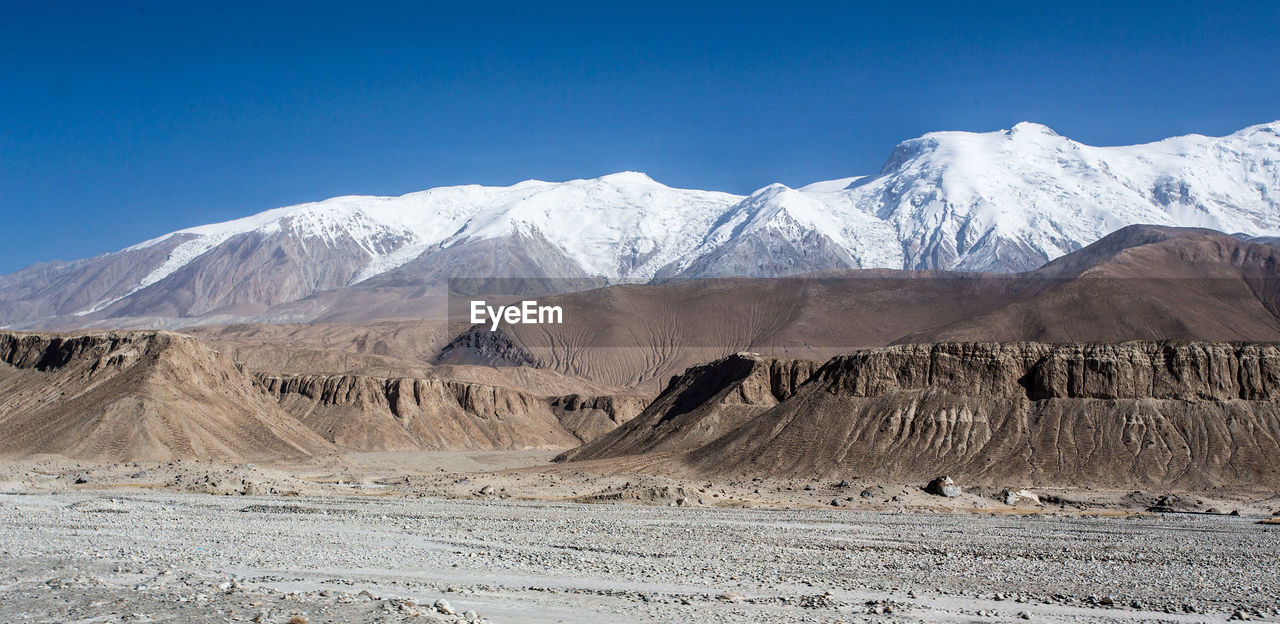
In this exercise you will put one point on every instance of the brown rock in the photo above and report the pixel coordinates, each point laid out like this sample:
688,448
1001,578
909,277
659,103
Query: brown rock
362,412
137,395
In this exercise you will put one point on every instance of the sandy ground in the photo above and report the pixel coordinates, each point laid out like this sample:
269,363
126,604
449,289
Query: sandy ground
382,537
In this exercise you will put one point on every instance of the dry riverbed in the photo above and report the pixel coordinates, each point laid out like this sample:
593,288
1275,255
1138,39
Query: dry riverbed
136,555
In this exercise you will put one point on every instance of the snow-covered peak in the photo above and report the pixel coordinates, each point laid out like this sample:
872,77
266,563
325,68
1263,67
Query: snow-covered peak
1270,130
629,177
940,201
777,205
1025,128
1046,194
823,208
1005,200
589,219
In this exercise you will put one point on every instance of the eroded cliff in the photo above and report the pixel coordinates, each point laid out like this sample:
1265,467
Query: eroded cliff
1193,415
361,412
1137,414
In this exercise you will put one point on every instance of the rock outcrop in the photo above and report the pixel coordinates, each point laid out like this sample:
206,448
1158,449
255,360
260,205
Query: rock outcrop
1196,416
359,412
1128,415
589,417
701,404
137,395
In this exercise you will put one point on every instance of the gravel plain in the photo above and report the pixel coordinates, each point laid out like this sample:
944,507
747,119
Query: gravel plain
138,555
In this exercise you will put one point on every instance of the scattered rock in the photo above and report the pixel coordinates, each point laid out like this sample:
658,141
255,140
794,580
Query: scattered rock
486,490
943,486
1019,497
444,607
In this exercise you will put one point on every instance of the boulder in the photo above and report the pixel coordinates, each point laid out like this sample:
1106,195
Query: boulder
1019,497
943,486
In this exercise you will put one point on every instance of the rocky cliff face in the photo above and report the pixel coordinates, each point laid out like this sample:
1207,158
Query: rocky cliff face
1127,415
701,404
1038,371
370,413
1198,415
589,417
129,396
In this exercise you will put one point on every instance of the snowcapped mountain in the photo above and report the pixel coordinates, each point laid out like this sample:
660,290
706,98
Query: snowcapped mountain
619,225
1015,199
999,201
623,225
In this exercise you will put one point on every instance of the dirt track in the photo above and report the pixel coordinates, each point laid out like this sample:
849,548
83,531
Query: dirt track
139,556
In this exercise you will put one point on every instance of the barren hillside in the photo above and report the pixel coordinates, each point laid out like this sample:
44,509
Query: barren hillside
1131,415
126,396
701,404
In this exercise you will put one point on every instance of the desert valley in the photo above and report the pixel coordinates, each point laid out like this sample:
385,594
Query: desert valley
1009,377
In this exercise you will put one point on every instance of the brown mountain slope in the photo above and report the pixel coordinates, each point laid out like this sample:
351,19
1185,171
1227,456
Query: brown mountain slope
638,336
329,348
126,396
701,404
1132,415
1141,283
64,288
359,412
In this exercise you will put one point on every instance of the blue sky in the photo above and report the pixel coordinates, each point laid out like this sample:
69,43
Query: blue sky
121,121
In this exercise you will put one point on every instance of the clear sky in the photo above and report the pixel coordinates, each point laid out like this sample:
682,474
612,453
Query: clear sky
120,121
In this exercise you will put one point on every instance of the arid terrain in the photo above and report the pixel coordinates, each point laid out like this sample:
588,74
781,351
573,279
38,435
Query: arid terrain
383,537
1096,440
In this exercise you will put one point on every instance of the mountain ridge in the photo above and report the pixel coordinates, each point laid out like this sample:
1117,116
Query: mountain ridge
1003,201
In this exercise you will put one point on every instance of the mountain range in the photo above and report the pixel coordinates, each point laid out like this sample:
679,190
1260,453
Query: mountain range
1141,282
1005,201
